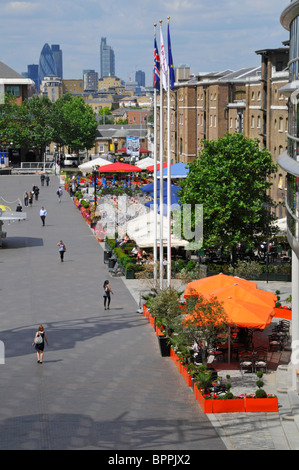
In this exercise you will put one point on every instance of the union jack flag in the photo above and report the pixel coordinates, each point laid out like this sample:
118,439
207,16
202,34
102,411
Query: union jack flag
156,80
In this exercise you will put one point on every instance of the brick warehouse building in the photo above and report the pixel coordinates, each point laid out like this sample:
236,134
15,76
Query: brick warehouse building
248,101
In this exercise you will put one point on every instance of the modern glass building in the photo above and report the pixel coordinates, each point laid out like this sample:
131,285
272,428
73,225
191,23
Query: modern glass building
57,54
289,161
140,78
47,65
33,74
107,60
50,62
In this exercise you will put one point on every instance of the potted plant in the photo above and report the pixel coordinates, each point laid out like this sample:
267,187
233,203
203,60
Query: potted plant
261,401
165,308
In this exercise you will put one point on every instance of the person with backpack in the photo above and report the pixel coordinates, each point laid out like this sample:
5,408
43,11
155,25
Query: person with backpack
39,343
59,193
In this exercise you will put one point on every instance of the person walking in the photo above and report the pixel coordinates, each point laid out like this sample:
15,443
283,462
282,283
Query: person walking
30,198
42,179
59,193
47,180
43,214
61,249
25,198
106,295
39,343
35,190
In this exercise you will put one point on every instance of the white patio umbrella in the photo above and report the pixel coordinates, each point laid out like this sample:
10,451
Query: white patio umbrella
88,166
145,162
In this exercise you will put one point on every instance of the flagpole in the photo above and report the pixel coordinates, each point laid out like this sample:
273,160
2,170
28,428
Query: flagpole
155,180
168,178
162,51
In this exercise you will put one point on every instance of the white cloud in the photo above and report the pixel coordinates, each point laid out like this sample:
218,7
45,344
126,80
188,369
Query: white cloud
19,8
206,35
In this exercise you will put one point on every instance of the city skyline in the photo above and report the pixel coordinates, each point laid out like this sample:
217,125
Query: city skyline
206,39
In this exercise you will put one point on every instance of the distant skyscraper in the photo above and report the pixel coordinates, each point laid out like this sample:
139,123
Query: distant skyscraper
50,62
107,60
140,78
57,54
47,64
33,74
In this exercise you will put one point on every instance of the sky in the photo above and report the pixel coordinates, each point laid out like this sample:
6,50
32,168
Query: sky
206,35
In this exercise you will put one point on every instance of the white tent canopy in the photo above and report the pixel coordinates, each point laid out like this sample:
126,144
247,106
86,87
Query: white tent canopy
141,230
89,166
145,162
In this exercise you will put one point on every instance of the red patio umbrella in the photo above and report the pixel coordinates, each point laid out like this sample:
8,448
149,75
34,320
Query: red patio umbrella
119,167
152,167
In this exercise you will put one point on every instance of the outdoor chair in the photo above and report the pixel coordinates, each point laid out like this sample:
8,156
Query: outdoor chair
246,363
260,359
284,327
274,343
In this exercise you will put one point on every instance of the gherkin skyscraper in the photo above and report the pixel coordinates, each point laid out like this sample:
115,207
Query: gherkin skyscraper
50,62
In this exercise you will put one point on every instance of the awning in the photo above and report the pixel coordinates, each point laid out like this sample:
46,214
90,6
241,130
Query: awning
119,167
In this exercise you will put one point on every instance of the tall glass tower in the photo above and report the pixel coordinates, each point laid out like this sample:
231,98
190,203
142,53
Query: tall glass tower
289,161
50,62
47,65
107,60
57,54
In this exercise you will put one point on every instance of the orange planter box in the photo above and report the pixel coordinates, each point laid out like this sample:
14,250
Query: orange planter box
283,313
234,405
265,405
187,377
151,319
206,405
146,312
175,358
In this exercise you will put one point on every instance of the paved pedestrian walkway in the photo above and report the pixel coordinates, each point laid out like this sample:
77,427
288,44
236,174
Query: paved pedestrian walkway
103,384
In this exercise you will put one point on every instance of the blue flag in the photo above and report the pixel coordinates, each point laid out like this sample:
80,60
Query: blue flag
156,81
170,61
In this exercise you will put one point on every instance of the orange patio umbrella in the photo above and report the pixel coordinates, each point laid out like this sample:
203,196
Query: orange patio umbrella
245,305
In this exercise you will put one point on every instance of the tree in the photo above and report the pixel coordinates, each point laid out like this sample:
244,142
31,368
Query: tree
35,128
205,323
74,123
8,112
27,125
166,308
231,177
